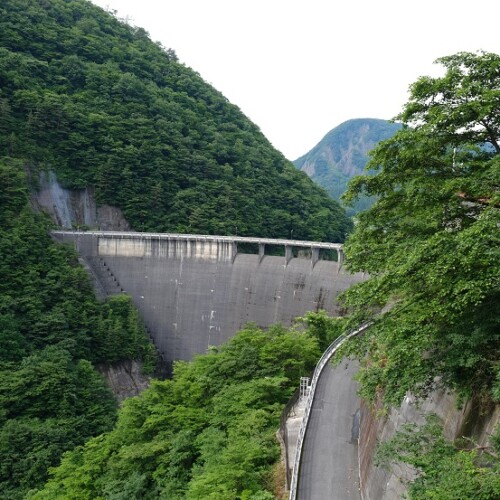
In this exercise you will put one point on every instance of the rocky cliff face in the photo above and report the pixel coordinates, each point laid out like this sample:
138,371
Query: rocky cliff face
343,153
78,209
75,208
124,379
470,420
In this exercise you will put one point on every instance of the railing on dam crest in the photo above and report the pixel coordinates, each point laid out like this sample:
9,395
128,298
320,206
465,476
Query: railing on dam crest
192,245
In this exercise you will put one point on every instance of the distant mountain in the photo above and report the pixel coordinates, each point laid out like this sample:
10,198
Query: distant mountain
343,153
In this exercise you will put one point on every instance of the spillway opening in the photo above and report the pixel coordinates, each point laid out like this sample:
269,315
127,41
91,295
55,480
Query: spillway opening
301,252
275,250
291,252
328,254
248,248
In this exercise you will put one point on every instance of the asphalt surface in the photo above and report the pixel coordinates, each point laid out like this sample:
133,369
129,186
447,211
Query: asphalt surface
329,464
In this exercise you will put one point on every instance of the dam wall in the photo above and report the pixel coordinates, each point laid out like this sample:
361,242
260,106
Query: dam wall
194,292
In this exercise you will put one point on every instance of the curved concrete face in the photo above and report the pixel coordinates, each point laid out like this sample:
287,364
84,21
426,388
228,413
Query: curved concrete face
329,462
193,294
191,304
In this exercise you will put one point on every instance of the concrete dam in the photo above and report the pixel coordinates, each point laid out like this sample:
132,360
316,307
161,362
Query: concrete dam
196,291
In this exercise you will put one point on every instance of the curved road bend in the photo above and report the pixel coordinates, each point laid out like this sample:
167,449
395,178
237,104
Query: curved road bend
329,463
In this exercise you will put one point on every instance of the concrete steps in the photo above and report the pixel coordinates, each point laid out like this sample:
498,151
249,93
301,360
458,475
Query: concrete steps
108,281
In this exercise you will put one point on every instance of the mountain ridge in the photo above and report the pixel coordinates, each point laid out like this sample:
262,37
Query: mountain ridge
343,153
100,104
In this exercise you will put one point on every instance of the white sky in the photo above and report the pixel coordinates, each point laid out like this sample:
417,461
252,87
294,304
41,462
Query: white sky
298,69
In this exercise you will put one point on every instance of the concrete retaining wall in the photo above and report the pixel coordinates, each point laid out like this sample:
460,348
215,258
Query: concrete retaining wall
220,251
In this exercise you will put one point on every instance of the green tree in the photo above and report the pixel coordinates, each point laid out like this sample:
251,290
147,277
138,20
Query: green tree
120,334
207,433
431,242
51,329
444,471
13,192
48,405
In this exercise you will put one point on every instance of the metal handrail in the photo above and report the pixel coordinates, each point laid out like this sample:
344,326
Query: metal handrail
201,237
325,358
283,432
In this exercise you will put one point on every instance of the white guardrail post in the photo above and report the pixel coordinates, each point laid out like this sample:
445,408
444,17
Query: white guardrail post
330,351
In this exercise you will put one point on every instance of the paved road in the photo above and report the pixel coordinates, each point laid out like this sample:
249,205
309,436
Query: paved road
329,465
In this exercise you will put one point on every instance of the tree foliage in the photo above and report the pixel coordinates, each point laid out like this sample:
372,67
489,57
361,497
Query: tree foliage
207,433
444,471
93,99
431,243
51,331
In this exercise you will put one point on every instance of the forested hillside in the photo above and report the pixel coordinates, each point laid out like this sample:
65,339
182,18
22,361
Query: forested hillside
209,433
98,102
52,333
343,153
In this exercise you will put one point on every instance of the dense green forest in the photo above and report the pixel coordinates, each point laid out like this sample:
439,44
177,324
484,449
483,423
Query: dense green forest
52,334
99,103
343,153
209,433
